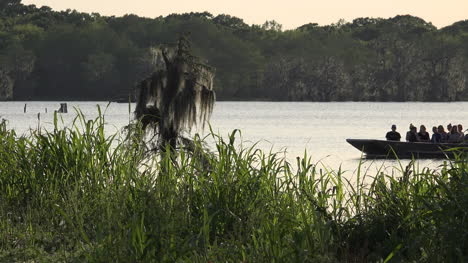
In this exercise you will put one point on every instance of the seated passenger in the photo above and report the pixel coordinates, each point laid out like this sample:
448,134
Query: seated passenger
393,135
460,130
423,134
436,136
408,133
443,134
412,135
454,136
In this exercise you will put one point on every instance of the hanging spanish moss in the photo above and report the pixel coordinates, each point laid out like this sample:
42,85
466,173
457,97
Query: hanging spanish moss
177,96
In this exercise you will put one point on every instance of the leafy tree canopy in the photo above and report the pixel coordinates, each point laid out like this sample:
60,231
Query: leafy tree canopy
47,54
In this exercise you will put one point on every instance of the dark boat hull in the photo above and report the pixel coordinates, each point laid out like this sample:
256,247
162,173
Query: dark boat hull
392,149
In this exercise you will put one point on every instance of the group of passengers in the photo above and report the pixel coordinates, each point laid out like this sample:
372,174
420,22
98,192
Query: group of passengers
454,134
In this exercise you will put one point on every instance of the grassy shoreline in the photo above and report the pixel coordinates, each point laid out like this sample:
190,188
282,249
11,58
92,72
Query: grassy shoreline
74,195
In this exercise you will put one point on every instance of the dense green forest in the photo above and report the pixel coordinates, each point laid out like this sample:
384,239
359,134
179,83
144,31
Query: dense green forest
47,55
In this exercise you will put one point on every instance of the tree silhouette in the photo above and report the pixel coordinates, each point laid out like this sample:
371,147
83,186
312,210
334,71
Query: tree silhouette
177,96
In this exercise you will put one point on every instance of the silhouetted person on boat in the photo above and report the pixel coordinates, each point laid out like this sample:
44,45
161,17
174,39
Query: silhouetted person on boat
393,135
443,134
460,130
436,136
449,128
412,134
409,132
454,135
423,134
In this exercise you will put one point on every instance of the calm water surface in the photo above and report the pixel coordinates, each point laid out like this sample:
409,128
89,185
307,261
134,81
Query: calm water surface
290,127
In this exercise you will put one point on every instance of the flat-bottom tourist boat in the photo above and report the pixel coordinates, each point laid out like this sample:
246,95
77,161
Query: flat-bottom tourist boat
392,149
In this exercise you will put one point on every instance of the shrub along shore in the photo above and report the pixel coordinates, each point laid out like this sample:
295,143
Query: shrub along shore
75,195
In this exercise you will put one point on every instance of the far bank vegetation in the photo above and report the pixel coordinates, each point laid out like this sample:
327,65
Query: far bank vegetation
45,54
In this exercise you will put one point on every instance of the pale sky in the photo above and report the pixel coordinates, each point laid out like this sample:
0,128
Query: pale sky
289,13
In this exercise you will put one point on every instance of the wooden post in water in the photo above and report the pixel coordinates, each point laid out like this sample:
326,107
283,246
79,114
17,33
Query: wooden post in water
39,122
63,108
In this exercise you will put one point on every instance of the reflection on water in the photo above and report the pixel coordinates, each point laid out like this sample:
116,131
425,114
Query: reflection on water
320,129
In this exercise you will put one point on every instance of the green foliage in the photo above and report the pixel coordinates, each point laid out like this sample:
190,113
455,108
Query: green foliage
75,195
397,59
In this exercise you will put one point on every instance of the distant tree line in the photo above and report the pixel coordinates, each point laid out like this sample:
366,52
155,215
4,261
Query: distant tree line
48,55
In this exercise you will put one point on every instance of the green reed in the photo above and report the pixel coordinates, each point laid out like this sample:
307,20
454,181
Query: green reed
75,195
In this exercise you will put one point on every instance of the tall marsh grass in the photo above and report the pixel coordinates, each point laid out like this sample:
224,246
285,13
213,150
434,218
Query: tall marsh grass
75,195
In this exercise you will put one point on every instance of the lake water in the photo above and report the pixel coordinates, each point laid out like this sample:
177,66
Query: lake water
290,127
